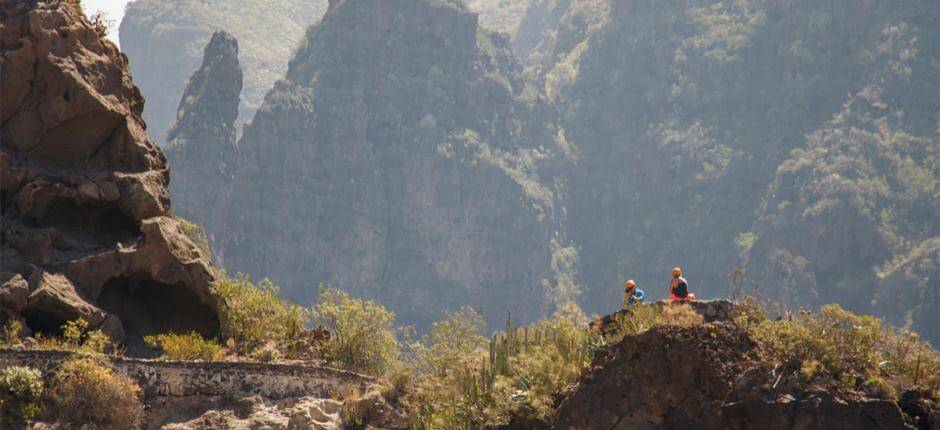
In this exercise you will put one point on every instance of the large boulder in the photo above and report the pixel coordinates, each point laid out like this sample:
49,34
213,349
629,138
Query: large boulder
86,213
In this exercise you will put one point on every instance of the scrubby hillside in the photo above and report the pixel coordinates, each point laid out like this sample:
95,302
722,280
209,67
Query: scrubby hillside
164,42
403,157
686,115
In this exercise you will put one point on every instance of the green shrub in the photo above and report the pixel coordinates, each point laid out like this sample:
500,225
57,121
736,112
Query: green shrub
76,335
362,336
10,334
191,346
636,320
447,361
197,235
551,356
253,315
266,354
463,381
841,345
85,391
20,390
909,362
835,346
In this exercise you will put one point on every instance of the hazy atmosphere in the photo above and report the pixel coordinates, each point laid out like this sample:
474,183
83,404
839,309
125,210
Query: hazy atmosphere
514,214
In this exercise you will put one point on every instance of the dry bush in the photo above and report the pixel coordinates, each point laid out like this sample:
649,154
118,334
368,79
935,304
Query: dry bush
190,346
85,391
20,389
681,315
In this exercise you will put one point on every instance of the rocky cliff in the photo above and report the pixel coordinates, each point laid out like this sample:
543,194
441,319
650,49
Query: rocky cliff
405,158
87,231
165,39
201,144
686,114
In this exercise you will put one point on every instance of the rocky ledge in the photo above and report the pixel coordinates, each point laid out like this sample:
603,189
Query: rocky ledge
87,225
708,376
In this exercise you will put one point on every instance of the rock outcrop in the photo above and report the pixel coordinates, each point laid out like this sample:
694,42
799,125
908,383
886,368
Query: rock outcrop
87,231
165,41
201,144
404,158
706,377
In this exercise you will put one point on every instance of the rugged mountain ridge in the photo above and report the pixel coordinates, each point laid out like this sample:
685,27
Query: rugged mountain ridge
419,160
165,41
87,227
201,144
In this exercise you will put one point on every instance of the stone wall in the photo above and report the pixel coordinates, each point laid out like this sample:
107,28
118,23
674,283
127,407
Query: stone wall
225,379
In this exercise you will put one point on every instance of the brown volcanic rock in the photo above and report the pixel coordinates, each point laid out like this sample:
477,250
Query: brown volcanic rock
707,377
85,206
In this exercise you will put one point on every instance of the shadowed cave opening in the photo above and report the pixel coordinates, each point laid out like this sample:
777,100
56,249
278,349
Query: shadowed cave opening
42,322
102,223
148,307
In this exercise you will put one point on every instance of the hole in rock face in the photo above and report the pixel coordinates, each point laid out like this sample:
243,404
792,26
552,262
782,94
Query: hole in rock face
105,224
45,323
148,307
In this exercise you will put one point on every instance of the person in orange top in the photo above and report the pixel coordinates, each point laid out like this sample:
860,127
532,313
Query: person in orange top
679,288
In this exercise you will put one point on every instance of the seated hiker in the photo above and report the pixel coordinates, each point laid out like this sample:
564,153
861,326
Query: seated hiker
679,288
631,294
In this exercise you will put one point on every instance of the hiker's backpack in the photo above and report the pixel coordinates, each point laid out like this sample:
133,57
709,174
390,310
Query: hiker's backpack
682,290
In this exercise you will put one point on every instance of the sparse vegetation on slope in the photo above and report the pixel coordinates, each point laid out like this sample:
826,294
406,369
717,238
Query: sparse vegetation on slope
191,346
86,391
362,336
253,315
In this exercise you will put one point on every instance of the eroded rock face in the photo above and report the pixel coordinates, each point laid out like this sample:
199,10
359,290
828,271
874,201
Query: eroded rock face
165,40
403,158
86,212
201,144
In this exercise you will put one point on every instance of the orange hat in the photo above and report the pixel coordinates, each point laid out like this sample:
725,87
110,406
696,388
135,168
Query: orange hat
630,283
676,272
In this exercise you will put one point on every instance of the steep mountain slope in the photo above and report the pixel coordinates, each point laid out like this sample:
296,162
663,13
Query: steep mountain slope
87,231
164,41
498,15
201,144
403,158
683,111
859,201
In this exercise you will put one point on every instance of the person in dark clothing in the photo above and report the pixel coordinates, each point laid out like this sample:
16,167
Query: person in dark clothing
679,288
